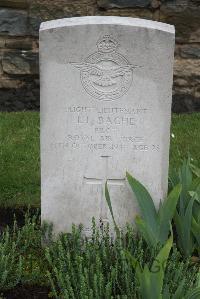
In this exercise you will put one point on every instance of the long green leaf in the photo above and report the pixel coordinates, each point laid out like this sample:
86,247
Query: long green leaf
187,228
196,231
174,179
166,213
107,196
195,186
145,202
194,294
132,260
195,170
179,292
151,281
146,232
166,293
161,260
183,227
185,175
195,195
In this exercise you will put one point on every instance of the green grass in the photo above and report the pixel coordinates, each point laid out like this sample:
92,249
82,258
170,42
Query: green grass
186,131
19,148
19,154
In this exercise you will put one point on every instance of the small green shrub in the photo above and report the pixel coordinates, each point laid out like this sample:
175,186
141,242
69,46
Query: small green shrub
22,258
77,267
11,263
179,269
29,246
99,267
96,268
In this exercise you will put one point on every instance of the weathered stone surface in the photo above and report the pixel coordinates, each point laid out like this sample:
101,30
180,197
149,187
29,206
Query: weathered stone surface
10,98
184,15
155,3
14,3
197,93
13,22
187,68
186,82
1,71
183,103
184,90
40,10
123,3
34,25
190,51
9,83
136,12
108,111
185,97
21,43
2,42
182,82
20,63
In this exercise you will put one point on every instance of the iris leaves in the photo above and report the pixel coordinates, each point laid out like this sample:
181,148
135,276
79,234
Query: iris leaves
187,216
151,279
154,225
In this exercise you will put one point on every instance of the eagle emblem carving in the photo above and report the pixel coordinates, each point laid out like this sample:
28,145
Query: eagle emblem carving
106,75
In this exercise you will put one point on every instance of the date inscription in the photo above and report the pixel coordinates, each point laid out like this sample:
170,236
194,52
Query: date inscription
105,128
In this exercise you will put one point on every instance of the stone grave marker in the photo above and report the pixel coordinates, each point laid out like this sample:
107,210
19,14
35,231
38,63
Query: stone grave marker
106,89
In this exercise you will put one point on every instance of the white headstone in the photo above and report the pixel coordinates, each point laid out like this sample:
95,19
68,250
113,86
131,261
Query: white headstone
106,88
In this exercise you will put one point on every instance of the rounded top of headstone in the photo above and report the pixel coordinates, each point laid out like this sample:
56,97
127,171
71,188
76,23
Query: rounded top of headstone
106,20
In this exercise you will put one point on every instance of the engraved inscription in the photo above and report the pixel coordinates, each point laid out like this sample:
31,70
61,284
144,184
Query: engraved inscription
105,130
106,75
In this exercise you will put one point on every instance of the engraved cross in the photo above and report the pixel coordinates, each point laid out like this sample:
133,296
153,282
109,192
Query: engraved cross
102,181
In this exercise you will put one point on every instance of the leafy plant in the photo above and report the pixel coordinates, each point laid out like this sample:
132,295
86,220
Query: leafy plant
154,225
151,279
187,215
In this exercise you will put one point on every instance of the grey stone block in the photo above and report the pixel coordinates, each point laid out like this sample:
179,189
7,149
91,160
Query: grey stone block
13,22
34,25
13,99
123,3
15,3
190,51
20,63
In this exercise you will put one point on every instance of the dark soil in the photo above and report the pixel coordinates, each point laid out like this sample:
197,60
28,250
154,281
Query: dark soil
27,292
8,215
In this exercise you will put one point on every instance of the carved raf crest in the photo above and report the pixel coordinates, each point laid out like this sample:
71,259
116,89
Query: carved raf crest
106,75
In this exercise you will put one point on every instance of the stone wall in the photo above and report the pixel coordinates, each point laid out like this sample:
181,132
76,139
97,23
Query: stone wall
19,25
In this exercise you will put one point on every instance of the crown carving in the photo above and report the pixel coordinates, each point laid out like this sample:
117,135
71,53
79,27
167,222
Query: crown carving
107,44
